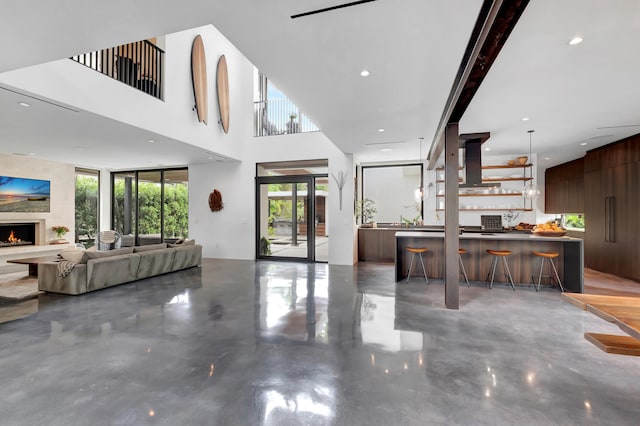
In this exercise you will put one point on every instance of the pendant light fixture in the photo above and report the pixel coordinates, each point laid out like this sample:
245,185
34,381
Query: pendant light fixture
530,190
418,194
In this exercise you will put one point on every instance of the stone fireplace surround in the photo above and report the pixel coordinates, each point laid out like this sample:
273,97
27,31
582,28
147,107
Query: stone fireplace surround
41,247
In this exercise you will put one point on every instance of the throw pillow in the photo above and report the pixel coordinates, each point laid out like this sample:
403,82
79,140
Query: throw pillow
107,253
74,256
149,247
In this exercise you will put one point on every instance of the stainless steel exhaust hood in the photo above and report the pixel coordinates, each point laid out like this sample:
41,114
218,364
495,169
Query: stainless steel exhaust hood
472,144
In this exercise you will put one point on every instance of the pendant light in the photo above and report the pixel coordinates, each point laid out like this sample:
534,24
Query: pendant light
418,194
530,190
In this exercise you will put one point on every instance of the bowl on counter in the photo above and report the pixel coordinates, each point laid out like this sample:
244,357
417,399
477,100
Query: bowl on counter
549,233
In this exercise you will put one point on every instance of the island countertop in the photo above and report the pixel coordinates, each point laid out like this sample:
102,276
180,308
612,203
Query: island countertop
486,236
522,263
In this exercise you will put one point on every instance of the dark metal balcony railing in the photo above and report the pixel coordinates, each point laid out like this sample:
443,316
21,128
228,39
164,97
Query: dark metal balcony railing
280,116
137,64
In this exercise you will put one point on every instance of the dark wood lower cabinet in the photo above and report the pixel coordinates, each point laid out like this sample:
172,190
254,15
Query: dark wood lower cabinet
376,244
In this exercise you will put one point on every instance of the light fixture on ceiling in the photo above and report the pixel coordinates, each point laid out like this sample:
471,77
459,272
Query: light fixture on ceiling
386,150
24,104
530,190
418,194
525,119
547,158
365,73
380,130
575,40
583,143
487,149
151,141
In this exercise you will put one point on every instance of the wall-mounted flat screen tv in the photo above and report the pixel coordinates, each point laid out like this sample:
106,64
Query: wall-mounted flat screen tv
24,195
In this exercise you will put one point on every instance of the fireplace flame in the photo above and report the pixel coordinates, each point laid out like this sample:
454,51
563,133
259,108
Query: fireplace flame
12,238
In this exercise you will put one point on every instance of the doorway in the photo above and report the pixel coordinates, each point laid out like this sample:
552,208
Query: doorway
291,212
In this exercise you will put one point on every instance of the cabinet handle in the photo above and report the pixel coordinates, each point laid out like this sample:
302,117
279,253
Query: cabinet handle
609,219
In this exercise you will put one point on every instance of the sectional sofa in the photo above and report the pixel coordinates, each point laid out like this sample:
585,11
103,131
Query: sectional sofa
78,273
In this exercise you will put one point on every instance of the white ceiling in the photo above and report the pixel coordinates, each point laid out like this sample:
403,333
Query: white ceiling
412,49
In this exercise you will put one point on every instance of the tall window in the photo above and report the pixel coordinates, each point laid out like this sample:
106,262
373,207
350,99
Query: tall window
150,206
275,114
87,206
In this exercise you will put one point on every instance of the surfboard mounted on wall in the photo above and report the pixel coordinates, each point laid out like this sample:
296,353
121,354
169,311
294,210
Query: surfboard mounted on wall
222,84
199,78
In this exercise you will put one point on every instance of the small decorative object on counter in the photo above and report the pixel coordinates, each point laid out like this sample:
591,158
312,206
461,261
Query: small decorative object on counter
60,231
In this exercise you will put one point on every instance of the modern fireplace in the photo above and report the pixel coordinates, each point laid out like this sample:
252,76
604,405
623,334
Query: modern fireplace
17,234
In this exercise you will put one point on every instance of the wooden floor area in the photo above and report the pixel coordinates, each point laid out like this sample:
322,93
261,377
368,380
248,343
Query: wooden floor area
600,283
616,300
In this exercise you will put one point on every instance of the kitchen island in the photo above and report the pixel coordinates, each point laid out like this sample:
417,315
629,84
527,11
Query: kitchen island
522,263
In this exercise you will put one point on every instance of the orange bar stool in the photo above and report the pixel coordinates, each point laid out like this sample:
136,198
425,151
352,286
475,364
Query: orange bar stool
417,251
464,272
544,256
500,254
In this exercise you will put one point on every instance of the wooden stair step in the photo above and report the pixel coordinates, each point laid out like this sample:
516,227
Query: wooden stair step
614,344
631,327
613,313
582,300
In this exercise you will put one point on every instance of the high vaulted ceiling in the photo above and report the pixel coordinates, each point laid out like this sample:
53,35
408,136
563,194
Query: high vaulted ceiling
412,48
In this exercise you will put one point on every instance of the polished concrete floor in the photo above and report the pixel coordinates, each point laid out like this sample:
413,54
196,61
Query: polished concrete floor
267,343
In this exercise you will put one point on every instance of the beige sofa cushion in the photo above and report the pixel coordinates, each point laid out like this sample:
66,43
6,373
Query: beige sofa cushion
183,243
140,249
111,270
50,281
155,262
187,256
90,255
72,255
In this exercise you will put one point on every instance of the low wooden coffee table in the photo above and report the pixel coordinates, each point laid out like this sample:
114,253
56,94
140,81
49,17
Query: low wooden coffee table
33,263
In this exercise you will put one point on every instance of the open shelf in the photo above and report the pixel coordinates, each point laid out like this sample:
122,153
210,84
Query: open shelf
491,210
519,194
496,166
506,179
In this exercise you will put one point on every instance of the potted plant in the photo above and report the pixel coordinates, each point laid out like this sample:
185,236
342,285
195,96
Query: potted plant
365,210
60,231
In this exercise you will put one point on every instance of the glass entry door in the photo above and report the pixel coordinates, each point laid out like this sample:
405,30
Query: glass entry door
285,218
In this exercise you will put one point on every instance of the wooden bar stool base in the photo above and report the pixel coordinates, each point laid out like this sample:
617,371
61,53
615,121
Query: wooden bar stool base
500,254
417,251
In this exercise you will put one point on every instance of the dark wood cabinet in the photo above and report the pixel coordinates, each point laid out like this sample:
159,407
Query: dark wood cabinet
612,203
564,188
376,244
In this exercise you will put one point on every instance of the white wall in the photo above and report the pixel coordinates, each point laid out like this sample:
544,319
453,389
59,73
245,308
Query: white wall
231,232
67,81
62,178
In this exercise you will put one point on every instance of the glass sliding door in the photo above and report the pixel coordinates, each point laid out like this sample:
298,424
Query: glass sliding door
150,206
176,205
321,219
87,206
285,218
124,206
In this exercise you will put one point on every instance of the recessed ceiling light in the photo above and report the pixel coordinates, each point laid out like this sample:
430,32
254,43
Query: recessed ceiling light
575,40
365,73
386,150
151,141
487,149
210,158
583,143
525,118
381,130
24,104
32,153
547,158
